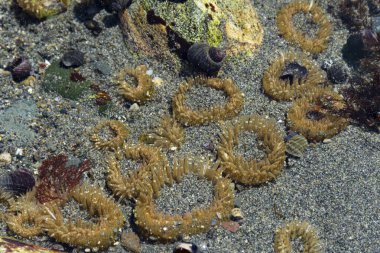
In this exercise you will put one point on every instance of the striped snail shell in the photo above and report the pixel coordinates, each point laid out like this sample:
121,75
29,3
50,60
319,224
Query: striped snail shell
206,58
20,69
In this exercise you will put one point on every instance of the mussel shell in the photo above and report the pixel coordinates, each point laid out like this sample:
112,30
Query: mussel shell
20,69
206,58
73,58
18,181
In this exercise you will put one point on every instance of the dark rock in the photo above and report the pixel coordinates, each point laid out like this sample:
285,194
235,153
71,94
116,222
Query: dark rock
338,73
293,71
73,58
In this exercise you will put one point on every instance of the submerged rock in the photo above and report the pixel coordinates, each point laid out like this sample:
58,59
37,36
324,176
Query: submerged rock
150,24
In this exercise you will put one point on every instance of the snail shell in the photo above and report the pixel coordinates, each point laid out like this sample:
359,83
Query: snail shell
73,58
295,144
20,69
17,182
206,58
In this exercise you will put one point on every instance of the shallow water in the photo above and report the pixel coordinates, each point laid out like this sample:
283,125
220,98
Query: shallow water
334,186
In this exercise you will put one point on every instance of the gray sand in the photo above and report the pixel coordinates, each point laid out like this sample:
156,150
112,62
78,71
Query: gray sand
334,186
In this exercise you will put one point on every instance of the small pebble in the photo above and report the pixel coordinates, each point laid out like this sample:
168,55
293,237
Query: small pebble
185,247
149,72
157,81
93,26
236,214
231,226
19,152
327,141
102,67
5,158
134,107
130,241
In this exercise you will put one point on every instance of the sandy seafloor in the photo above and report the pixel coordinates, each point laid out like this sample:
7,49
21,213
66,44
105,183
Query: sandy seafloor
335,186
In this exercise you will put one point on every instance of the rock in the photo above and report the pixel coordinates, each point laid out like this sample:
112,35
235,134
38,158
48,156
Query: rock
231,226
134,107
102,67
5,158
376,24
338,73
236,214
130,241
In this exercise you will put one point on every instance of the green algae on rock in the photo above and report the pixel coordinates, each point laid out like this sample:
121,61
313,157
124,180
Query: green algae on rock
216,22
58,79
43,8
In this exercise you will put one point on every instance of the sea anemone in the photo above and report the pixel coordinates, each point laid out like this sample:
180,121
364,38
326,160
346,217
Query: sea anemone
186,116
145,86
281,82
315,44
293,230
317,115
169,135
86,234
114,143
252,172
169,227
125,186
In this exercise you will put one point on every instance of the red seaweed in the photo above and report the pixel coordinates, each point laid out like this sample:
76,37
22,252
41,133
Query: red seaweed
56,179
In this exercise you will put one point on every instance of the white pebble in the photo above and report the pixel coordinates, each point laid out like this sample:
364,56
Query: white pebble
134,108
19,152
149,72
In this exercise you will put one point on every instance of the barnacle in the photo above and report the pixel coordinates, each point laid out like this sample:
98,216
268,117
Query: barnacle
43,8
316,115
168,227
189,117
144,89
315,44
282,89
86,234
115,143
252,172
126,186
169,135
293,230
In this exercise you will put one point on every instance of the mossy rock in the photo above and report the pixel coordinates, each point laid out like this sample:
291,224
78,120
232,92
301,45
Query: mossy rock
43,8
57,79
220,23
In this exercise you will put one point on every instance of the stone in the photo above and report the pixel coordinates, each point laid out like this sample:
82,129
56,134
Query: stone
5,158
130,241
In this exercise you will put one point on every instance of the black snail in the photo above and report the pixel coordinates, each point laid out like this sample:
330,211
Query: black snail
206,58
